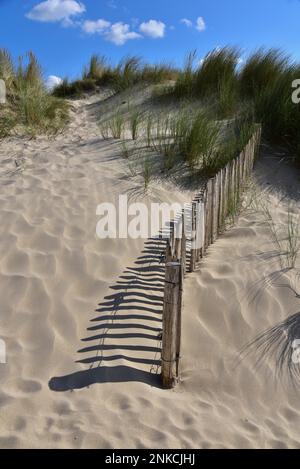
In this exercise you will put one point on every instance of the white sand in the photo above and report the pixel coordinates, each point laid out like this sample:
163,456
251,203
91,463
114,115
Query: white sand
54,273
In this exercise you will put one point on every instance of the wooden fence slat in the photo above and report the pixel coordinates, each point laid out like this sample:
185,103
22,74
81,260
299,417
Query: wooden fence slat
179,320
193,237
205,220
183,246
177,248
210,219
216,207
168,252
170,321
236,182
201,228
230,184
198,248
233,183
197,208
226,191
172,235
221,201
208,213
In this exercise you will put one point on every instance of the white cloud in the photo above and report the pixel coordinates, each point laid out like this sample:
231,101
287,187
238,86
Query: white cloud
56,10
187,22
53,81
153,28
119,33
98,26
200,24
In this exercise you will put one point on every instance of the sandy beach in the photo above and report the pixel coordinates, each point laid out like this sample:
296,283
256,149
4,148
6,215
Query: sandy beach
81,316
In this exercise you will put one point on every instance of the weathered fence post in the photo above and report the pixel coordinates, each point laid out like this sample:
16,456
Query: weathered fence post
221,201
216,207
208,210
170,343
200,229
193,237
177,241
183,246
198,248
180,299
179,321
205,219
169,252
172,235
226,192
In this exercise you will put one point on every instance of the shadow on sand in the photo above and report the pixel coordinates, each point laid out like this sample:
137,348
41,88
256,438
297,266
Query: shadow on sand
103,374
132,316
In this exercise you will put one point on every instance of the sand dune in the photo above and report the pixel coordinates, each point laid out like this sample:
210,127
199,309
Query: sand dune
81,317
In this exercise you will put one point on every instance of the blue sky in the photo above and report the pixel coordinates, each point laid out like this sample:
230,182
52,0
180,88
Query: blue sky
64,33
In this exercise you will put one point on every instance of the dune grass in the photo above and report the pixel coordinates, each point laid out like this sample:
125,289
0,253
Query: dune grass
147,173
163,139
126,150
220,80
96,68
198,142
216,76
266,79
135,120
196,139
7,70
185,137
186,145
185,83
75,88
29,105
217,69
7,123
286,238
263,81
227,101
116,125
278,345
262,69
285,235
128,72
149,125
104,130
95,73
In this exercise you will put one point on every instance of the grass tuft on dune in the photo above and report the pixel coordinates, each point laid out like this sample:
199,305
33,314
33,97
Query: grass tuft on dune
128,72
29,106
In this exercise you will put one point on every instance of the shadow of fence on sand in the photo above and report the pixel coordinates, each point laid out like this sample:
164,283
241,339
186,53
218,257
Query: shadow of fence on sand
128,328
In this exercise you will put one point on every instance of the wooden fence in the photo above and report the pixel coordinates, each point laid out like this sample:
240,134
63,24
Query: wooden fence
206,217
